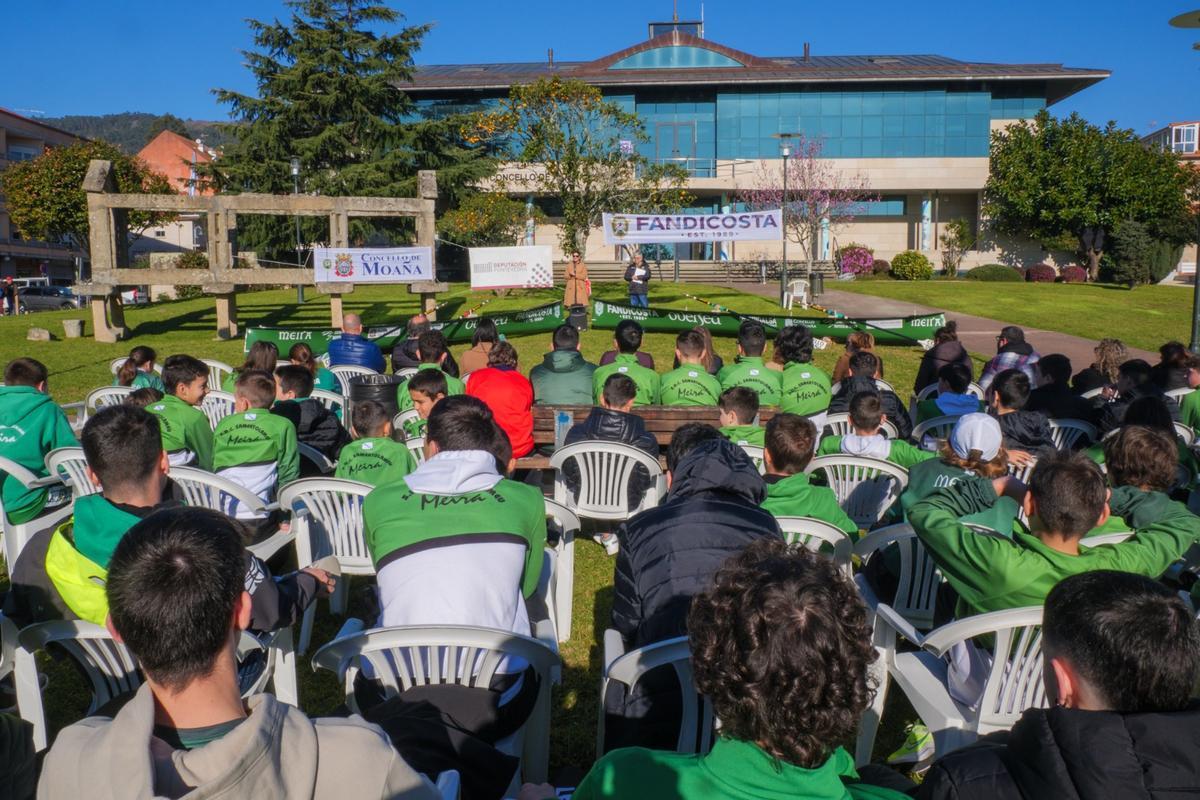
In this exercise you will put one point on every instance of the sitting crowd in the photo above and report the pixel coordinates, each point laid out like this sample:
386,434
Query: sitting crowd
781,640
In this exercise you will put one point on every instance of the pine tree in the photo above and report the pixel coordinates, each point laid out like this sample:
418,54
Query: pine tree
327,94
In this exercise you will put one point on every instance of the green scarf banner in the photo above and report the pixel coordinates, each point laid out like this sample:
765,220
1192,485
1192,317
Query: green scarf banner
540,319
897,330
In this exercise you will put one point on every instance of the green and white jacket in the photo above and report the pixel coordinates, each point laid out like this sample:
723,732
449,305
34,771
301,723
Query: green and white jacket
376,460
257,450
186,434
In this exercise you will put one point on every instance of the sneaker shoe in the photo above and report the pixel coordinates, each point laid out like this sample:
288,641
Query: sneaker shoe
918,746
608,541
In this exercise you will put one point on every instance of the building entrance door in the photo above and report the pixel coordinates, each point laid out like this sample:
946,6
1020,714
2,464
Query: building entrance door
675,142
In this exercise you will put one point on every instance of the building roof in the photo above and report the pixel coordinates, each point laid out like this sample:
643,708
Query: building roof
1060,81
14,116
173,155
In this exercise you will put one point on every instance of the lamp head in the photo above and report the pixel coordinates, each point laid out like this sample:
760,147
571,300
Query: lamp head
295,165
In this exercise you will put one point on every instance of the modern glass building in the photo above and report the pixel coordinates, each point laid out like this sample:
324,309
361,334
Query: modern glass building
915,127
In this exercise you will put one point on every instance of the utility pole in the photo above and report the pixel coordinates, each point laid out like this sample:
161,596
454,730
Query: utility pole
295,192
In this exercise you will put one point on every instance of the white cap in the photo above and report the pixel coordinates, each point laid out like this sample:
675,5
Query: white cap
976,432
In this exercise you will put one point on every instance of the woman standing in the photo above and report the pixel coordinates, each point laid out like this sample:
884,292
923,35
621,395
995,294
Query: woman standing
576,290
637,275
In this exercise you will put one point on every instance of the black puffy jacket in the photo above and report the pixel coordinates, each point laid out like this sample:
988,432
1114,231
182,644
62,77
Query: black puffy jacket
670,552
1112,415
891,404
606,425
938,356
316,426
1068,753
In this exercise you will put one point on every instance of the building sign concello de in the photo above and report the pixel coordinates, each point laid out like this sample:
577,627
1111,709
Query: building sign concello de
760,226
372,264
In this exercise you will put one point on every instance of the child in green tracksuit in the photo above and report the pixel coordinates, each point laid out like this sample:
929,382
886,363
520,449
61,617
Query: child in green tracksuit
31,425
739,407
805,388
374,457
253,447
186,433
627,339
425,389
749,370
689,384
866,418
789,449
432,350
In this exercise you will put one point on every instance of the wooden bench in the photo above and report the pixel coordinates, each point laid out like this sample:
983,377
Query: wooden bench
661,421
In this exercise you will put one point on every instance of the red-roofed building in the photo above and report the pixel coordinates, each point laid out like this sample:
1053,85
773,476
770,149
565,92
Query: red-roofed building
176,157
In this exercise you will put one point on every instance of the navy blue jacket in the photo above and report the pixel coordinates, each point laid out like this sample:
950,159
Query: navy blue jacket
351,349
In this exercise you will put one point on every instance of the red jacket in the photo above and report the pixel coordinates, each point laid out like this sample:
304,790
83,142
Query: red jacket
509,395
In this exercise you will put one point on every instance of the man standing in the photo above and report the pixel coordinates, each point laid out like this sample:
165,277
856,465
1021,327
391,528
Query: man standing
1012,352
352,349
637,275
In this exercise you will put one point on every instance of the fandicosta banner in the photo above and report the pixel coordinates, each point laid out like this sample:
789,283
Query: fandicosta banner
743,226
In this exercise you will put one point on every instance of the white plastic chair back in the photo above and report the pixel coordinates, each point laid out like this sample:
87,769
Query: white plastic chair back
756,455
696,724
1184,432
217,405
865,487
344,372
416,446
812,534
1066,432
106,396
1090,393
331,400
1022,473
930,434
404,417
329,510
17,535
919,579
316,457
206,490
562,586
217,370
880,384
605,471
839,425
1105,538
975,390
71,464
1178,394
406,372
421,655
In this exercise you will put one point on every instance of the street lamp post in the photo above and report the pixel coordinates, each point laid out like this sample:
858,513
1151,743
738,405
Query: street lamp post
296,191
1191,19
785,151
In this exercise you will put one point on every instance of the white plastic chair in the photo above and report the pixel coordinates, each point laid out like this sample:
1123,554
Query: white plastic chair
344,372
416,446
1105,538
112,670
71,465
1184,432
627,669
562,586
421,655
206,490
865,487
605,471
323,463
880,384
406,372
217,405
1066,432
16,536
813,534
106,396
839,425
217,370
331,400
1178,394
327,521
935,430
404,417
756,455
1013,683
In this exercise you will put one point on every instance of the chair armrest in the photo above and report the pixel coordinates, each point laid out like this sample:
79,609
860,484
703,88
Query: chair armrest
889,616
614,648
940,640
50,480
350,627
273,544
868,594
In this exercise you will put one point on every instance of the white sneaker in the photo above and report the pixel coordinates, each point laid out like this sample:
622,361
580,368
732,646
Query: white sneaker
608,541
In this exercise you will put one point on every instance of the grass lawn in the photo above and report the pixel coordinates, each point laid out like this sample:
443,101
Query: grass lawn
79,365
1144,317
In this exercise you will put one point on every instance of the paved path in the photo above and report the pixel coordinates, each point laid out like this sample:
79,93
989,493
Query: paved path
978,334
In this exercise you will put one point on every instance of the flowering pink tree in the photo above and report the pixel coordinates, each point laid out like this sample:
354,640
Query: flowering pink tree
817,193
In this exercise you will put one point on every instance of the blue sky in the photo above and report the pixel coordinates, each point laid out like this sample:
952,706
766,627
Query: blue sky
166,56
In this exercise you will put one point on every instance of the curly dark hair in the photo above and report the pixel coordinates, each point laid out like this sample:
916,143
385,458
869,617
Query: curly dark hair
781,646
794,345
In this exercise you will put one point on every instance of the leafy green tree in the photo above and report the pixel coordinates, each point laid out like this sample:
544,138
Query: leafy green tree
167,122
327,94
567,138
45,196
958,236
485,219
1059,181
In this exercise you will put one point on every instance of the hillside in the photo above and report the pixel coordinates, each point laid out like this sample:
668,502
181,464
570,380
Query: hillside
132,129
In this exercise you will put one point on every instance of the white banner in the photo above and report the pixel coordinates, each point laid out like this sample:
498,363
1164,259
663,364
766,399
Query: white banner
373,264
742,226
511,267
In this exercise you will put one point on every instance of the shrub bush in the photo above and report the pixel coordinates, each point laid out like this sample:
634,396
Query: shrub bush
881,267
1041,273
192,259
855,259
993,273
1073,274
911,266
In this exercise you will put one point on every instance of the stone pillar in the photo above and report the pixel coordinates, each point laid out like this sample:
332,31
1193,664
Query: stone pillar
116,315
227,322
100,329
335,311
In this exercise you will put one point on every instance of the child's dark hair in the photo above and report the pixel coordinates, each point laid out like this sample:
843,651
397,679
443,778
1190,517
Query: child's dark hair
182,369
690,344
502,354
294,378
1012,389
742,402
25,372
302,356
1069,491
139,357
628,336
257,387
946,333
370,418
262,355
140,398
864,362
687,438
485,331
429,382
431,346
866,411
123,445
794,345
1143,457
618,390
752,337
790,441
957,376
1056,367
